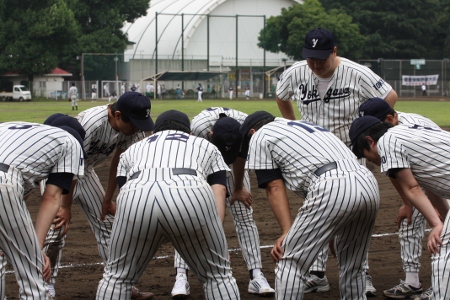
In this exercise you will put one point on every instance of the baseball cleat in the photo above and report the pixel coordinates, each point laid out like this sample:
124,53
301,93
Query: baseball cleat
138,295
427,295
316,284
181,288
402,291
260,286
370,289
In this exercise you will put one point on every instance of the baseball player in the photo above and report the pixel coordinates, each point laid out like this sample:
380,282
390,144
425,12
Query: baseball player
30,152
94,93
171,198
73,94
230,91
199,92
411,231
109,128
414,156
220,125
329,89
341,200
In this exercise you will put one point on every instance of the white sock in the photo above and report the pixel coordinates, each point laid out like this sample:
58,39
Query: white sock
256,273
181,271
51,290
412,279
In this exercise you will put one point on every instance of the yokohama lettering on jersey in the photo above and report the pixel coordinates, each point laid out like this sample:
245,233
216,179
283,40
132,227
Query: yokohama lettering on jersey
350,85
278,144
172,149
37,150
203,123
425,150
101,139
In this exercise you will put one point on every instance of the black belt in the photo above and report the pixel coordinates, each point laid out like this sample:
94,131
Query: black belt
175,171
4,167
325,168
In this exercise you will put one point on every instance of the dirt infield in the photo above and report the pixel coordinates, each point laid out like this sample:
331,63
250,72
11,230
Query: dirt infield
82,269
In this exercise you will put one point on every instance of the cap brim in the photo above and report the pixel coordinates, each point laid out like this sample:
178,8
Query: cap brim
314,53
143,125
230,156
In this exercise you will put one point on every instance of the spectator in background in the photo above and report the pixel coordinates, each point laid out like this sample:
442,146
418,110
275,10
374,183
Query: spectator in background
424,90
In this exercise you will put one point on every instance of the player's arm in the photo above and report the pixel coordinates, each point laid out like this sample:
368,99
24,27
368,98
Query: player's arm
109,207
286,109
439,203
278,200
414,194
240,193
218,183
64,214
391,98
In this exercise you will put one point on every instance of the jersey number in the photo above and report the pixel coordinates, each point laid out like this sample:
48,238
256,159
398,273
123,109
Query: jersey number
310,127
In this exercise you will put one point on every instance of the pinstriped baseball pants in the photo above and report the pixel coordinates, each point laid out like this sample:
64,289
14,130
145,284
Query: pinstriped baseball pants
440,276
340,204
181,210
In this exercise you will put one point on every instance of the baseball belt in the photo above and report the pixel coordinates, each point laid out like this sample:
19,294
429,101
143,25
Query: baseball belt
4,167
325,168
175,171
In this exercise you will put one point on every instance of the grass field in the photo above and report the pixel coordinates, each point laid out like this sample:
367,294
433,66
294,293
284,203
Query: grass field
38,111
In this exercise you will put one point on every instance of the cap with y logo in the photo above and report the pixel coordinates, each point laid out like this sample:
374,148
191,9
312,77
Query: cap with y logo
319,43
137,107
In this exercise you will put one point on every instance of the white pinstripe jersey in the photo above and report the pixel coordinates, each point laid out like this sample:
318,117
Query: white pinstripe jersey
409,118
350,85
203,123
424,150
172,149
101,139
297,148
37,150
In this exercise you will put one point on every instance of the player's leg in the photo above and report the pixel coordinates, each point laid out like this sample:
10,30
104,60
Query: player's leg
410,238
134,241
18,240
181,286
317,280
440,276
248,237
354,236
199,238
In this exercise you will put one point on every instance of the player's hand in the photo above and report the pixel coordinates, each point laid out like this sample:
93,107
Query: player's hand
47,270
434,239
404,212
277,250
62,219
108,208
242,195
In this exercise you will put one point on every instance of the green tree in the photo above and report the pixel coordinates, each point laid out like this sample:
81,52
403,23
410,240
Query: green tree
34,35
286,32
395,29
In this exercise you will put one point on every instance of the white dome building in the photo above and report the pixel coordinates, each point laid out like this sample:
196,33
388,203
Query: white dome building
204,35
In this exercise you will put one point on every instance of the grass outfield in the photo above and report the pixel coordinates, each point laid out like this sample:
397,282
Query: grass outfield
38,111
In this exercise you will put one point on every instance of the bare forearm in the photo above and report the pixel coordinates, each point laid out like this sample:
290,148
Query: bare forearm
286,109
277,196
51,201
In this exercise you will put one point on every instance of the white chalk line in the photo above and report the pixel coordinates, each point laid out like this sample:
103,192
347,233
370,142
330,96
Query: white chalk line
75,265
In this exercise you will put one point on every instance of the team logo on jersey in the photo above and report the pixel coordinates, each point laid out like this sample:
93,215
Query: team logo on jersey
383,159
314,42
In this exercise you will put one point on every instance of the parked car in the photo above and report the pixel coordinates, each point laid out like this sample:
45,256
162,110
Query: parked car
18,92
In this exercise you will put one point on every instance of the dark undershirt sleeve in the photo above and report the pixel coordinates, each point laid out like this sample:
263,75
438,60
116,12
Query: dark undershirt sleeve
266,176
62,180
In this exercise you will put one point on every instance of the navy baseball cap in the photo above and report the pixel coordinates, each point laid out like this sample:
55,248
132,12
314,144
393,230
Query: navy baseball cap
59,120
137,107
376,107
227,139
319,43
360,125
174,115
251,121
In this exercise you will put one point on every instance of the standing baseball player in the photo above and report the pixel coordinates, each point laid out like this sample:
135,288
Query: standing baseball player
30,152
73,94
230,91
415,157
109,128
220,125
199,92
329,89
341,200
412,230
171,198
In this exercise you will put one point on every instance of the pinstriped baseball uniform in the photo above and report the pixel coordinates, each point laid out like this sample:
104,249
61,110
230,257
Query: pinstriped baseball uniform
342,202
100,141
411,236
246,229
29,152
170,200
425,151
350,85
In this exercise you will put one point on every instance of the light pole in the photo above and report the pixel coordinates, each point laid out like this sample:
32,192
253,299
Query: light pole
284,61
117,79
